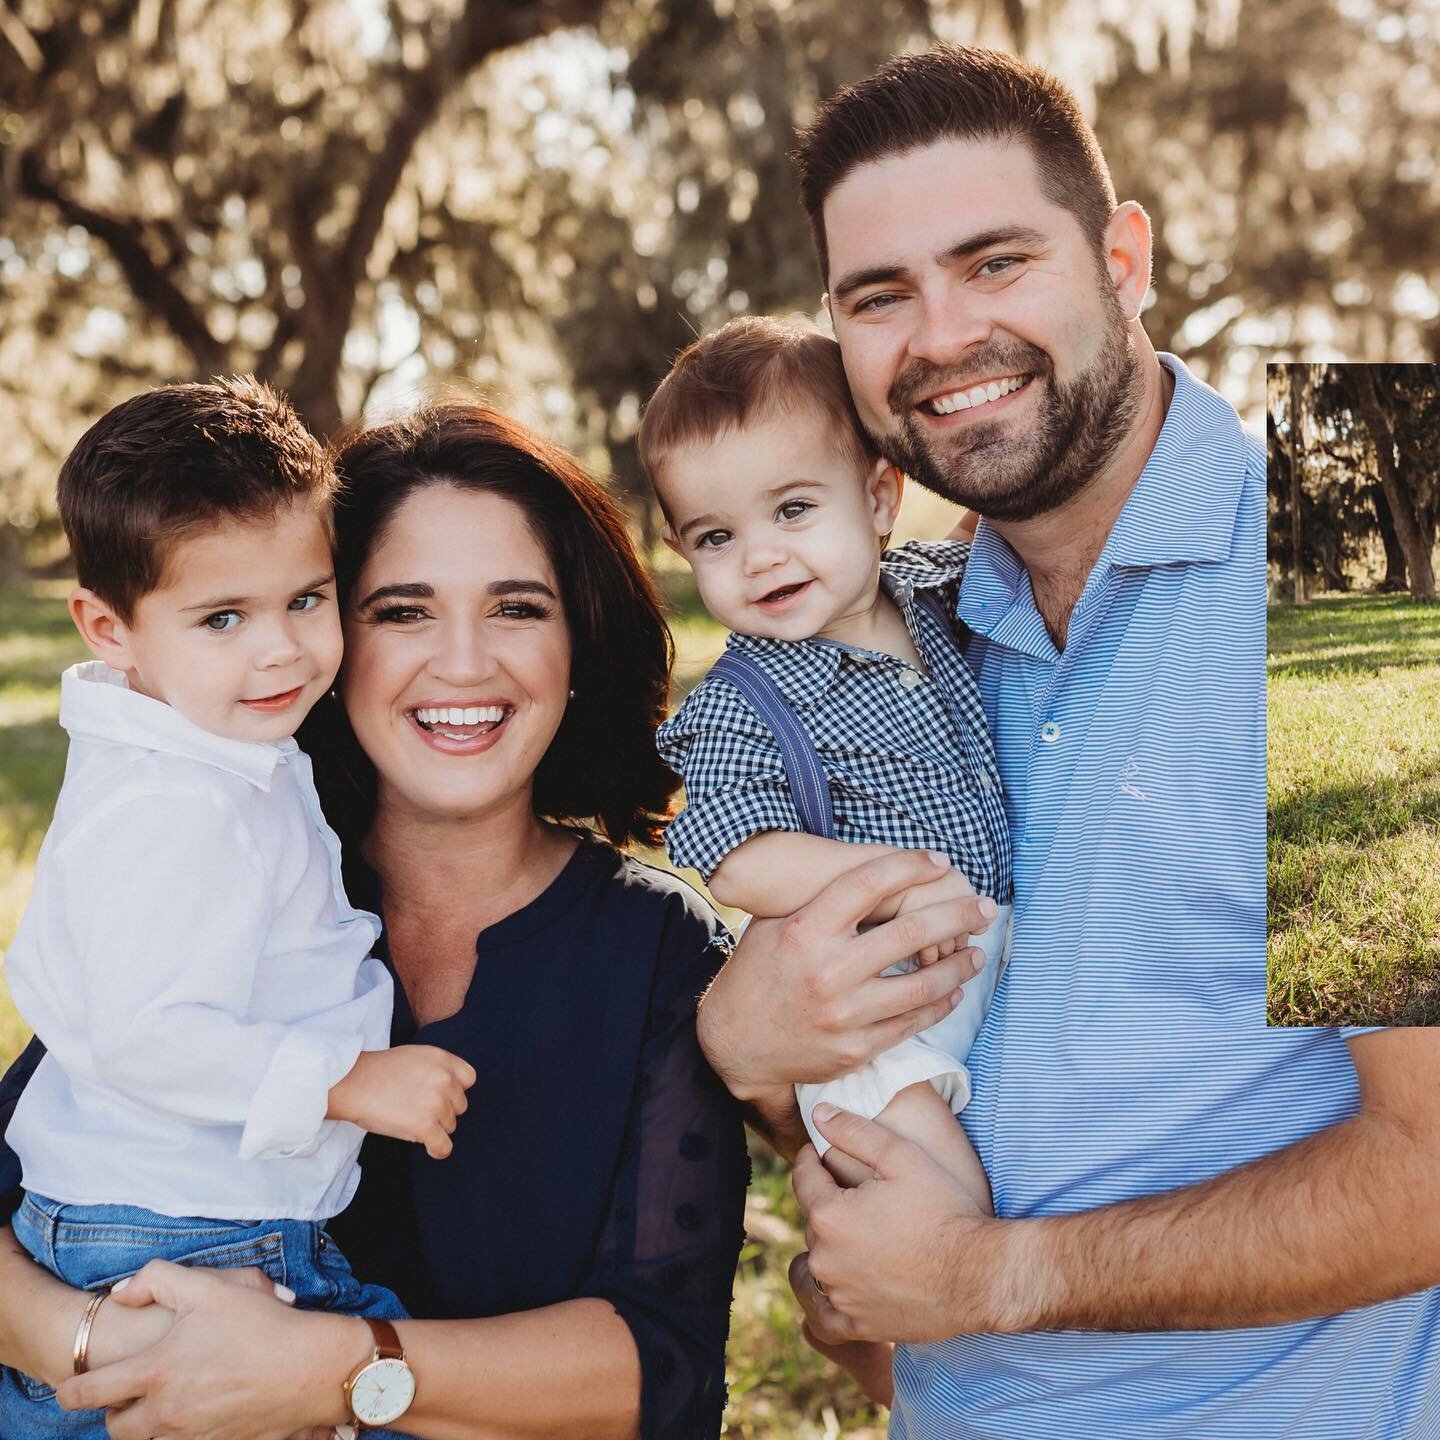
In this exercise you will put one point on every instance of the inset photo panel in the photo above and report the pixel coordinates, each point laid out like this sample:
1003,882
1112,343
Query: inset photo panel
1354,695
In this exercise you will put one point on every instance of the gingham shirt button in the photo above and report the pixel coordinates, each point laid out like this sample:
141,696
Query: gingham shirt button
1049,732
909,678
986,783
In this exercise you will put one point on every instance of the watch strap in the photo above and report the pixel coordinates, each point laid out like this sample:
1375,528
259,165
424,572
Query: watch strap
387,1342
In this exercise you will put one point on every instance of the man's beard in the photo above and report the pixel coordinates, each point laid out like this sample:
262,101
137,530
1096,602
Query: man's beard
1014,473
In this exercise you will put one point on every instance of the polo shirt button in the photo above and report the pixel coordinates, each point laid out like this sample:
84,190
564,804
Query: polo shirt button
1049,732
909,679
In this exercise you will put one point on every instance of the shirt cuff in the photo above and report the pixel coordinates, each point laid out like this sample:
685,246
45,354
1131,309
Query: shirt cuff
702,835
287,1114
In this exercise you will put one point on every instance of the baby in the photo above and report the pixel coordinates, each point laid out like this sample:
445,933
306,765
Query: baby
843,653
216,1027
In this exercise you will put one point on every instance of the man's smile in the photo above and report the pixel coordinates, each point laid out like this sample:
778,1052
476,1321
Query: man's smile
973,397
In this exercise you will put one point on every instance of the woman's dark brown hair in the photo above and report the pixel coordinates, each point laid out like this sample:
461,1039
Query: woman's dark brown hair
601,769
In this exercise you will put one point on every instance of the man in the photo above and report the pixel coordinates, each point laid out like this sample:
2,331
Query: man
1161,1162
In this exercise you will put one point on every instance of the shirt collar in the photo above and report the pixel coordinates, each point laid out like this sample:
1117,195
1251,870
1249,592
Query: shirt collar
97,703
1184,507
805,669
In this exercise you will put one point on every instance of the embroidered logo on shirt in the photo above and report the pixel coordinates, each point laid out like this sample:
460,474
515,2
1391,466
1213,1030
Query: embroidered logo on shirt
1128,771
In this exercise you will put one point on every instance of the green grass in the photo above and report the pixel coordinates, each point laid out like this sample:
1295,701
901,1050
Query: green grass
1354,803
779,1388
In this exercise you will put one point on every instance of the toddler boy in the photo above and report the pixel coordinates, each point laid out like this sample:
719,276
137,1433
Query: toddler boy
774,495
214,1021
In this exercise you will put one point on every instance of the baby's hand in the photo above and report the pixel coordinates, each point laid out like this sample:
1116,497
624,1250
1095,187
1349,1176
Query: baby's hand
952,885
414,1092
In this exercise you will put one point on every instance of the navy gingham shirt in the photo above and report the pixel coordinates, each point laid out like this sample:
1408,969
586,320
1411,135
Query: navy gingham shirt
908,754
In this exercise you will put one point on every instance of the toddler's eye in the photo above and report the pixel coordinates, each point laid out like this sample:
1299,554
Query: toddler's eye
794,509
221,621
301,603
712,540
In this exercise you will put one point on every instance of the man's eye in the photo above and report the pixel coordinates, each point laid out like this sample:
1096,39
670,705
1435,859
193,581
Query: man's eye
221,621
794,509
882,301
999,265
712,539
301,603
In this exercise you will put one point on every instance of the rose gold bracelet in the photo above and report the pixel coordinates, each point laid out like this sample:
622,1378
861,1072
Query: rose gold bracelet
82,1335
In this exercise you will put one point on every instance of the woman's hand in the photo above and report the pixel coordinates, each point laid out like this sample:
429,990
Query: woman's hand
236,1363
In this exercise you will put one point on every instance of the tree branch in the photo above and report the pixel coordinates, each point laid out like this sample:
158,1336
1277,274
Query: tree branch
149,283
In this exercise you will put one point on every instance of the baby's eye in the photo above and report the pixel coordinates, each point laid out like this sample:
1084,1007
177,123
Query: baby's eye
794,509
301,603
221,621
712,540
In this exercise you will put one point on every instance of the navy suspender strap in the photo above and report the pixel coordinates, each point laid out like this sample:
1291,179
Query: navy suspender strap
809,787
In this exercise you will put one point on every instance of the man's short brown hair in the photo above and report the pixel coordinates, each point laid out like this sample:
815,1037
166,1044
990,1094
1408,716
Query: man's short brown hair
751,369
955,92
174,460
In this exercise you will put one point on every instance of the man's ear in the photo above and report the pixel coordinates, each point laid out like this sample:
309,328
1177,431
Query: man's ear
886,487
101,629
1127,246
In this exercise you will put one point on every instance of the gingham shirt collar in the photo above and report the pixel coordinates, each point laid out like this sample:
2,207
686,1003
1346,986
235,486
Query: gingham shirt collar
809,667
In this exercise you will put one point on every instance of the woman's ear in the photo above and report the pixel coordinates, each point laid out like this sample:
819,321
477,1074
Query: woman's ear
886,487
101,629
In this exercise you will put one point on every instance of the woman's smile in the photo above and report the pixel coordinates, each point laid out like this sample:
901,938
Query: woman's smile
460,728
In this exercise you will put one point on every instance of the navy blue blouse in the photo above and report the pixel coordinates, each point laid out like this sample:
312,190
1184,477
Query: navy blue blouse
600,1155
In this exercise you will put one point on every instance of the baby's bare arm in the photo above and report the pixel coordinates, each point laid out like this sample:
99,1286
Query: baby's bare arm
777,872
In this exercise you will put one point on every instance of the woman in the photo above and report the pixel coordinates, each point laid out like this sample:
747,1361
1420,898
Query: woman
505,668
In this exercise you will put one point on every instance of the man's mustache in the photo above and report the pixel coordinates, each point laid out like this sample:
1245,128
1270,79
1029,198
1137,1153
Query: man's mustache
920,379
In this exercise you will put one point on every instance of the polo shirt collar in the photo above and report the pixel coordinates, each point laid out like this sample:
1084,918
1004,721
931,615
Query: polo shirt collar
96,702
1184,507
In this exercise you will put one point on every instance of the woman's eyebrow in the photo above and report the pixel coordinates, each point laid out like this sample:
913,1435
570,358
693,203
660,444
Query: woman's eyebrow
519,587
416,590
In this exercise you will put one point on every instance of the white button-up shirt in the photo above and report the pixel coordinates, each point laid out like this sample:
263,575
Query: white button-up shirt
197,975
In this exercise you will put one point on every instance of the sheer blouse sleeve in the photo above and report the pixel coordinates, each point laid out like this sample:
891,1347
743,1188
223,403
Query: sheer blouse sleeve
667,1256
11,1085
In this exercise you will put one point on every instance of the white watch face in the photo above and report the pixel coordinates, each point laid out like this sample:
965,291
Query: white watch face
382,1392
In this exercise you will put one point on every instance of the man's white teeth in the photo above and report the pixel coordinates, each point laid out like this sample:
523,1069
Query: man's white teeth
455,715
978,395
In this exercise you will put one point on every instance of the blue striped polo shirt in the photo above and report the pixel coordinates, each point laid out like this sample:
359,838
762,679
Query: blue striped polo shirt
1126,1050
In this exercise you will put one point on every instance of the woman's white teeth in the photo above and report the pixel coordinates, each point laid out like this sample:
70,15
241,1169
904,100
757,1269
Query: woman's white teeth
455,715
978,395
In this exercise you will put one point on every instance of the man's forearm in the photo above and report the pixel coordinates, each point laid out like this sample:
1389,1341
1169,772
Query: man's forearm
1344,1218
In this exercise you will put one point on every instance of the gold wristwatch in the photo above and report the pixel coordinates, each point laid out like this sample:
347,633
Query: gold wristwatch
380,1389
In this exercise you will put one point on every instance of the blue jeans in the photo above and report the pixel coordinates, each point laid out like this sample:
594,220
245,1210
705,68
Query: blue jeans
92,1246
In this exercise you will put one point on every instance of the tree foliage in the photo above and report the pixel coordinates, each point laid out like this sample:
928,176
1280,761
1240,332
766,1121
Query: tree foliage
548,196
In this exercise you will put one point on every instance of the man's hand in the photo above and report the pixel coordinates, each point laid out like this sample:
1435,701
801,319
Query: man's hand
906,1255
870,1363
952,885
804,999
414,1092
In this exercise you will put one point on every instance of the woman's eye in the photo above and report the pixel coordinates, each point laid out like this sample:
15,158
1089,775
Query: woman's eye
522,610
221,621
794,509
712,539
398,615
301,603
